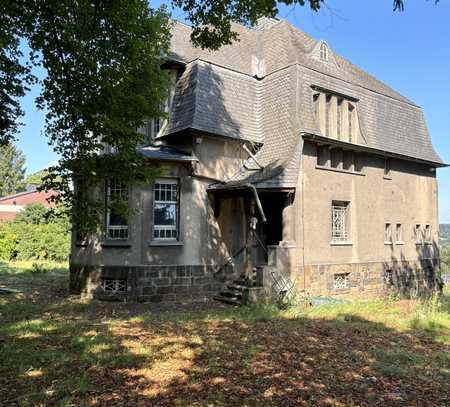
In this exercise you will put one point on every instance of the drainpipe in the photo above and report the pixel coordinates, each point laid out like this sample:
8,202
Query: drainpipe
258,202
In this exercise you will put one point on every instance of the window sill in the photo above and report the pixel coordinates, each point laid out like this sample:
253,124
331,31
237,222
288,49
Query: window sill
399,242
116,243
343,243
322,167
162,243
388,243
387,177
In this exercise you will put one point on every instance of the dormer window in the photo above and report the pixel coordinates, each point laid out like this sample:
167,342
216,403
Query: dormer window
324,52
336,116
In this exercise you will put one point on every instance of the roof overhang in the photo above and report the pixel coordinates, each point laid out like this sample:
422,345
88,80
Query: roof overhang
170,154
366,149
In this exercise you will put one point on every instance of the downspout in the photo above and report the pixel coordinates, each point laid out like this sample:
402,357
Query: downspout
258,202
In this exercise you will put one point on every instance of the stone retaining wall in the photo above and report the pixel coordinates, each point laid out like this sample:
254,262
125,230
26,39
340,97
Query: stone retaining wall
146,283
407,278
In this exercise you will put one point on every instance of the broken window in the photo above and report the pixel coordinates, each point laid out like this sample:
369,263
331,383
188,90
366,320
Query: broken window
116,206
340,221
165,209
341,281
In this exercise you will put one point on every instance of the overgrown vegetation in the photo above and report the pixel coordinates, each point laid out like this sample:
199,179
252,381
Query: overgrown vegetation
35,234
61,350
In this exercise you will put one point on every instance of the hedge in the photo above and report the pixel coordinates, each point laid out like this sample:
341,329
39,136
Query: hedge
26,241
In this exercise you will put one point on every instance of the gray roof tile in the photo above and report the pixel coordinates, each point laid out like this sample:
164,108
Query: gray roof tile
218,93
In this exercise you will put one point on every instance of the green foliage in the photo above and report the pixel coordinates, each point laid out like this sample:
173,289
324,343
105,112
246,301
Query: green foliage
8,241
103,79
211,22
12,170
34,235
34,213
37,178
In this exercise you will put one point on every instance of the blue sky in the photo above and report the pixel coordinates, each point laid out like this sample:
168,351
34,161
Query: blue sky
409,51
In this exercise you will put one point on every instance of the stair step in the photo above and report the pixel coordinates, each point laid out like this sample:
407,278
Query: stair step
227,300
237,287
231,294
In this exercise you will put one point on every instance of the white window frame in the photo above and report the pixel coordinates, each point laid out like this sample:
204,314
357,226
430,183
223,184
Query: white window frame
340,222
388,233
399,233
427,233
115,232
324,52
418,234
157,229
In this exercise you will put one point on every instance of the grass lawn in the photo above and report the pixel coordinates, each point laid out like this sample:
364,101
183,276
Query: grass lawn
59,350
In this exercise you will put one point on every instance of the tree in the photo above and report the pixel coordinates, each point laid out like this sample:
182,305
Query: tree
211,21
104,78
34,213
12,169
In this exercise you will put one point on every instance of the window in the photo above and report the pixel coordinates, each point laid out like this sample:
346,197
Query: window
323,154
341,281
165,209
339,118
427,233
323,52
336,116
418,233
388,278
347,161
399,233
336,158
114,286
350,122
327,115
339,221
116,204
387,168
387,233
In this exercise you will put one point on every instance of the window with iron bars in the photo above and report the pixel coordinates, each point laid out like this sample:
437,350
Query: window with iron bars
340,221
116,222
114,285
165,209
341,281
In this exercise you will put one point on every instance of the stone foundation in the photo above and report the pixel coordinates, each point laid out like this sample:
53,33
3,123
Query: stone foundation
410,279
145,283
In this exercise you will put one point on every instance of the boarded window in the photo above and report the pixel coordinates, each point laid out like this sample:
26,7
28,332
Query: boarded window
340,221
165,209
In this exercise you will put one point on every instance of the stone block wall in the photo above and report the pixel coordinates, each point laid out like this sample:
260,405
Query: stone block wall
146,283
407,278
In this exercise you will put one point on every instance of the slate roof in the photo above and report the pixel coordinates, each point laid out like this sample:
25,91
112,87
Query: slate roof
259,90
166,153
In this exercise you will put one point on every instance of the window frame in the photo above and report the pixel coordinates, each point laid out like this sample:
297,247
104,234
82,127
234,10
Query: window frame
345,235
388,236
418,234
399,236
323,52
427,234
176,227
123,230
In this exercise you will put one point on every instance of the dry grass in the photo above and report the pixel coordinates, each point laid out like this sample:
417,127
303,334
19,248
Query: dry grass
59,350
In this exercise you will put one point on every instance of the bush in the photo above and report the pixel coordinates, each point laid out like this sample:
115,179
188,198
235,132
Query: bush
8,242
27,240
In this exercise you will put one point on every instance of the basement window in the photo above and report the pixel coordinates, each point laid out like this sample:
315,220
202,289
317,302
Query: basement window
341,281
114,285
